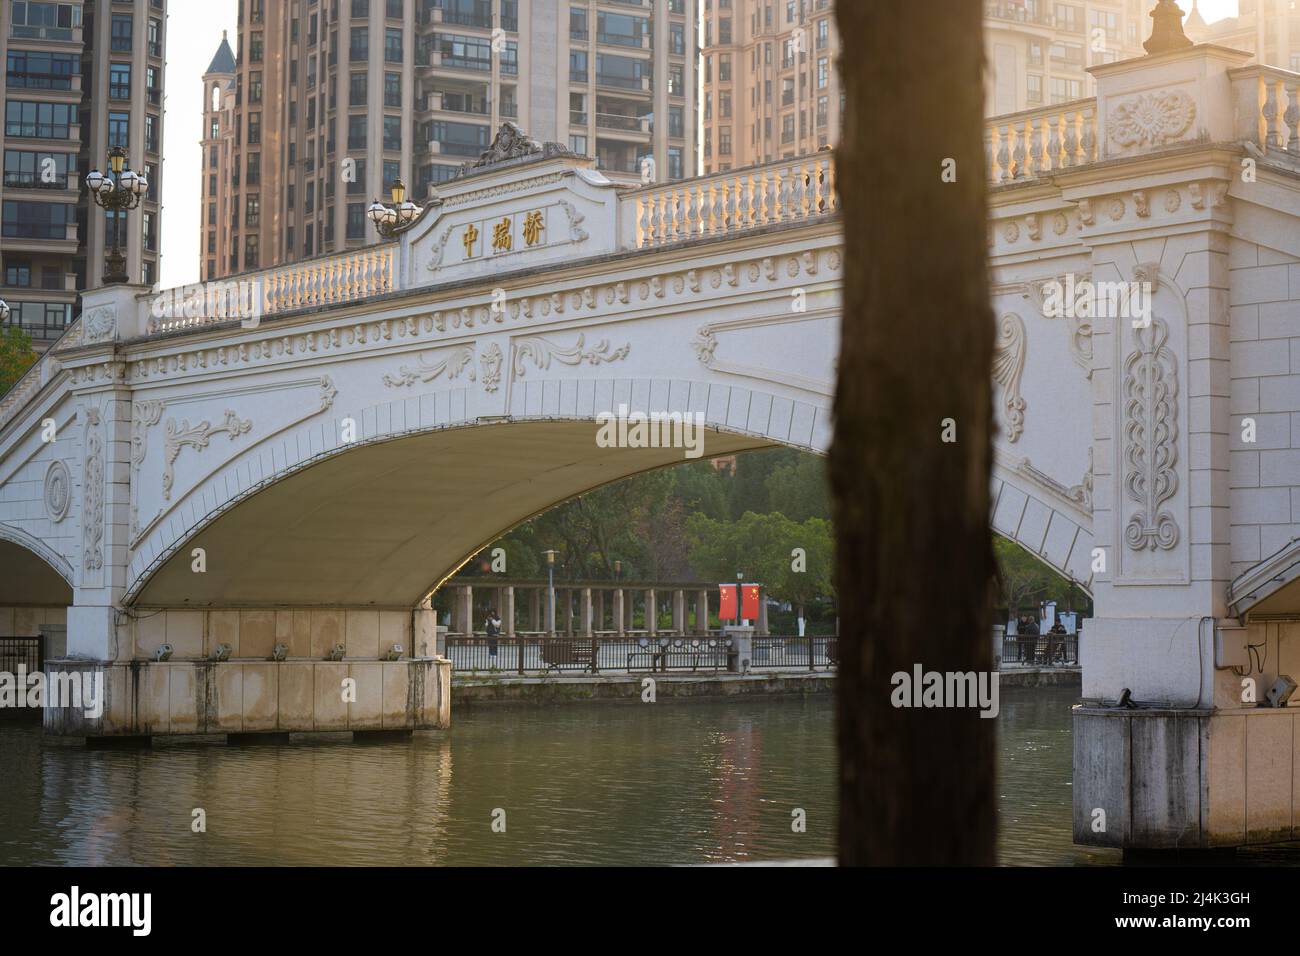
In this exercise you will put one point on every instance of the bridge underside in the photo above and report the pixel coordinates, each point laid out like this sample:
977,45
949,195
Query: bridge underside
25,579
382,524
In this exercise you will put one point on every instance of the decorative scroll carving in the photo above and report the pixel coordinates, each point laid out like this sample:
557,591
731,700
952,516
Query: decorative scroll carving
197,438
490,362
576,232
435,260
58,491
92,511
1008,364
513,143
327,393
705,344
99,324
1082,492
1151,437
144,415
541,352
1151,119
453,365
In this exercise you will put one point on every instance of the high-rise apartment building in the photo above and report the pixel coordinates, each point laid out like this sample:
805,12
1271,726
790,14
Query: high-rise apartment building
771,87
1038,51
1270,29
81,77
334,99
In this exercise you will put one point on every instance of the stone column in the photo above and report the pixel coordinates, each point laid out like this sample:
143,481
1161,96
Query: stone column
598,614
701,612
584,611
679,612
507,610
651,612
568,611
762,613
536,597
465,624
629,609
620,616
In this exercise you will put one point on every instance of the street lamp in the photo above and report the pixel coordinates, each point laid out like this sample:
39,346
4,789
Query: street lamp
392,219
550,592
740,576
120,190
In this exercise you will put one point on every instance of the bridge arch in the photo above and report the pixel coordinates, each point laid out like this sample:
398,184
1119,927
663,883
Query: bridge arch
309,519
31,572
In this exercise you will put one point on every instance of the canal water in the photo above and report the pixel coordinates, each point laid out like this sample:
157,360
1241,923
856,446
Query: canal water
617,783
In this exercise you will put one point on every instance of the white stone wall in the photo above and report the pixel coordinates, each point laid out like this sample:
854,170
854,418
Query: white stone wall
1265,475
252,633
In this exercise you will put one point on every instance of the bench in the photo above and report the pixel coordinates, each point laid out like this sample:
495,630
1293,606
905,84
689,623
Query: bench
564,655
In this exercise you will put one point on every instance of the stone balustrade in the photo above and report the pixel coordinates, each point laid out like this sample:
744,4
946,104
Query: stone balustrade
1021,146
729,202
350,276
1268,107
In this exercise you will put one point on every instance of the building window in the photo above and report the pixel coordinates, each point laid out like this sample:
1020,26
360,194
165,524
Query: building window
254,128
359,49
119,129
393,89
151,133
392,132
39,120
255,48
29,170
37,220
120,39
150,233
393,45
35,70
252,211
357,132
251,250
1035,88
356,220
357,89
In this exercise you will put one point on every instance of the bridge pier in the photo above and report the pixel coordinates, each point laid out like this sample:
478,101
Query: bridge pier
252,693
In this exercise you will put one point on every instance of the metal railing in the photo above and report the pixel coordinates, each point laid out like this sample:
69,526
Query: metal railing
29,653
538,653
1041,650
792,652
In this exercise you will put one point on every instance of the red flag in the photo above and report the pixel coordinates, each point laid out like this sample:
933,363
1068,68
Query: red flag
727,602
749,602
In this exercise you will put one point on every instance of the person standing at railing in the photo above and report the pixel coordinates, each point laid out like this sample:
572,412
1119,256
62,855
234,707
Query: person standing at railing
493,628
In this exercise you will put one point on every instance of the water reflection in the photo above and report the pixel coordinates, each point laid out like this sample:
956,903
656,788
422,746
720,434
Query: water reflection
686,782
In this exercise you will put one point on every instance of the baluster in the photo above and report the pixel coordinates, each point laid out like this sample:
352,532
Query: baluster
1292,117
663,216
1072,138
1054,142
1088,139
1004,154
990,174
1021,136
803,201
726,216
1271,138
640,221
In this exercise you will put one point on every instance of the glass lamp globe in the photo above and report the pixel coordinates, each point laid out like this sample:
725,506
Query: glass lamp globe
128,180
376,212
94,179
407,211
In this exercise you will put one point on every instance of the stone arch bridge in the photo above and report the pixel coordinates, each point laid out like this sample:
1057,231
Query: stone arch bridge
339,449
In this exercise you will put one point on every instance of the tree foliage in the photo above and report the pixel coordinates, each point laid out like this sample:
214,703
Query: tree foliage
16,356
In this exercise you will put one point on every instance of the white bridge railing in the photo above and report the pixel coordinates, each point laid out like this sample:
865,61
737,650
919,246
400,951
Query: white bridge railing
1268,107
729,202
343,277
1029,144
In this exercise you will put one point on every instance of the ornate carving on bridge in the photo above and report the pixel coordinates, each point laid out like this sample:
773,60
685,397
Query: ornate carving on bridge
1151,438
92,511
1150,119
425,371
705,344
1082,492
490,362
542,351
512,142
1008,365
576,232
99,324
197,437
144,415
58,491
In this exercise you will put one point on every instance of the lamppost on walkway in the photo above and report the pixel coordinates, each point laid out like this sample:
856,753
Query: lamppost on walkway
118,191
740,576
550,592
392,219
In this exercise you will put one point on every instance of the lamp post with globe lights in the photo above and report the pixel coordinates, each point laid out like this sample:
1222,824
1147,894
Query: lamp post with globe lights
118,190
392,219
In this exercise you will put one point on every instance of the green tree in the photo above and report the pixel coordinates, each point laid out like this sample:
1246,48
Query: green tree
1024,581
16,356
799,489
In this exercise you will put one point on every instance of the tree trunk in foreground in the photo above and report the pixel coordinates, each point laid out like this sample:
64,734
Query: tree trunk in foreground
914,554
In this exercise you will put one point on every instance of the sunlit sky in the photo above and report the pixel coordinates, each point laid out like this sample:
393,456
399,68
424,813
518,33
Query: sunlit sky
193,34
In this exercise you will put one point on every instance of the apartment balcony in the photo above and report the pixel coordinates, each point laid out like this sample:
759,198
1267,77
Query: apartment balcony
623,83
440,17
455,150
42,244
458,104
625,41
433,60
